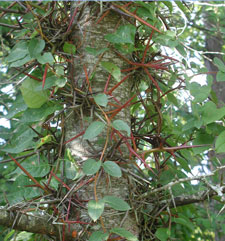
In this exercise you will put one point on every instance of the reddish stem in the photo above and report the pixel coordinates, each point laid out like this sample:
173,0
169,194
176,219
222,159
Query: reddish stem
58,179
80,134
147,47
118,84
107,83
72,19
44,76
28,174
153,80
123,106
138,18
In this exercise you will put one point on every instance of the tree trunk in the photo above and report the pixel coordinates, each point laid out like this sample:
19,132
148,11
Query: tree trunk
89,33
214,43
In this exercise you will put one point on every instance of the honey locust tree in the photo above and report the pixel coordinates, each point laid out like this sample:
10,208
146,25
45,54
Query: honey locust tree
102,136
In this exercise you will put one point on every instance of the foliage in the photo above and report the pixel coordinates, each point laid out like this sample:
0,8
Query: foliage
175,121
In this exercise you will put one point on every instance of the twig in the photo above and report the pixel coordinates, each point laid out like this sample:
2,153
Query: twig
169,185
10,26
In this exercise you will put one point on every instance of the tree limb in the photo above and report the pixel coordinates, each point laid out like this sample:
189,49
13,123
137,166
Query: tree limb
34,224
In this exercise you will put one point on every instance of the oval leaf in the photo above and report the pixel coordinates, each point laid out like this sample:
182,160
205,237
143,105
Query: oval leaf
124,34
220,143
19,51
220,76
116,203
219,63
35,47
33,99
93,130
112,69
45,58
69,48
91,166
124,233
121,126
112,169
162,234
99,236
95,209
37,170
101,99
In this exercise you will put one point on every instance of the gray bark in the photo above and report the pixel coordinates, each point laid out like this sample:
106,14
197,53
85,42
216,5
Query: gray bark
92,35
33,223
214,43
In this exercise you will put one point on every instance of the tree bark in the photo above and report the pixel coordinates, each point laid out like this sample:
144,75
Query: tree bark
34,224
91,34
214,43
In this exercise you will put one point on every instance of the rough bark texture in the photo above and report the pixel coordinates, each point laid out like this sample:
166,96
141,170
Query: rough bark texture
90,34
214,43
33,223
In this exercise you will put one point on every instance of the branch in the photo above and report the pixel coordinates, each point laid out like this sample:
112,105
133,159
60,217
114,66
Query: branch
185,200
7,10
34,224
169,185
10,26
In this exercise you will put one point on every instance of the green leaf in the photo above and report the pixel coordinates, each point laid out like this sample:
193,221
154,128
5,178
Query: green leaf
69,48
112,169
21,142
44,140
162,234
49,82
37,169
71,170
95,209
17,107
60,82
124,34
124,233
94,51
90,166
101,99
19,51
8,236
18,191
112,69
220,76
219,63
169,5
35,47
181,6
21,62
186,222
99,236
93,130
172,99
202,138
33,99
180,48
199,92
220,143
116,203
211,113
121,126
38,115
45,58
